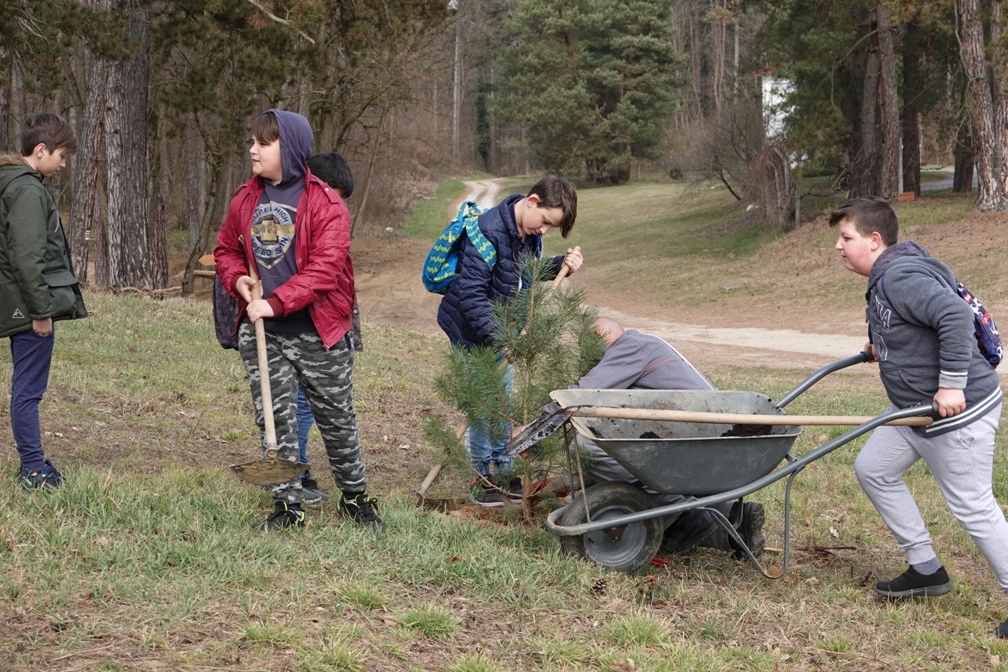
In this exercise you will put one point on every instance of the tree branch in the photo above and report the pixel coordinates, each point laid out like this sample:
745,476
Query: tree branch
274,17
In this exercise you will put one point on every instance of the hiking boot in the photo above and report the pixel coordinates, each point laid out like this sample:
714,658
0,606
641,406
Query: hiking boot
46,476
750,528
1001,632
284,515
363,510
688,530
912,583
311,493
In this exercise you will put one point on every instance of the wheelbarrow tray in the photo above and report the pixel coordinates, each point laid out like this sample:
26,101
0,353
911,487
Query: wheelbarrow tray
688,458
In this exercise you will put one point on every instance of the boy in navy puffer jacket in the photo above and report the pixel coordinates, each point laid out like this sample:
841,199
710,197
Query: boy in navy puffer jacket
921,334
514,227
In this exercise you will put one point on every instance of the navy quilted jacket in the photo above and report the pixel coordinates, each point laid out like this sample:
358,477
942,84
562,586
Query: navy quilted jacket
464,313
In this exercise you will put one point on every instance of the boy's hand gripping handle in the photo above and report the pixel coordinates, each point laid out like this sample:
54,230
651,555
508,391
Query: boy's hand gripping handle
564,270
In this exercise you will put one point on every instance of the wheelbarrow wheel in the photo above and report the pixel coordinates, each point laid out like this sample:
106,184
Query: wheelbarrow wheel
623,548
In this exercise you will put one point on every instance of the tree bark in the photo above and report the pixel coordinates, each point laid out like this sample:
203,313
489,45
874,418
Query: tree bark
983,97
911,117
889,186
85,208
864,167
135,245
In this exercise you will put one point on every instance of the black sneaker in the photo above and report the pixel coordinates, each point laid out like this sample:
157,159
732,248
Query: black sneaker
45,477
750,528
363,510
912,583
484,495
688,530
284,515
1001,632
311,493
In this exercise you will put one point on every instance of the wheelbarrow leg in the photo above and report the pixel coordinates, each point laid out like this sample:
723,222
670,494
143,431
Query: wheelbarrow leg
728,527
570,441
787,520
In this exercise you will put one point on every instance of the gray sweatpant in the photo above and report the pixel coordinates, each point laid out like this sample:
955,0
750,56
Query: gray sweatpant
962,462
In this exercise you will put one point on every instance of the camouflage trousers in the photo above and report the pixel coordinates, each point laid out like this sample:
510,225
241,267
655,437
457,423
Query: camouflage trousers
326,377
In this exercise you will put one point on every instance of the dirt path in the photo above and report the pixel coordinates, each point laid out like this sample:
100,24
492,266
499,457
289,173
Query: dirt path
390,292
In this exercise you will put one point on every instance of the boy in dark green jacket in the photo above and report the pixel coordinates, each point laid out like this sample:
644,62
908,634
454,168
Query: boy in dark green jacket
37,284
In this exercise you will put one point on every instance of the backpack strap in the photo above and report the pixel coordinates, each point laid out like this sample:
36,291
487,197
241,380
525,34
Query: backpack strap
483,246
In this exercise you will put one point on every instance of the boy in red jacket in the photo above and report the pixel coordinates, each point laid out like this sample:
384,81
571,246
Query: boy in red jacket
295,229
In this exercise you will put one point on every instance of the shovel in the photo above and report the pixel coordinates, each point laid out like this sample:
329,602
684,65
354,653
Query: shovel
271,469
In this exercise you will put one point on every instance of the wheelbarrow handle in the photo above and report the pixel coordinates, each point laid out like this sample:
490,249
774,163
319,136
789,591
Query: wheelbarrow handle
733,418
859,358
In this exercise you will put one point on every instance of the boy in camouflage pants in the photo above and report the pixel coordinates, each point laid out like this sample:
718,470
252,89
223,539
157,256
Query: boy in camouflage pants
295,229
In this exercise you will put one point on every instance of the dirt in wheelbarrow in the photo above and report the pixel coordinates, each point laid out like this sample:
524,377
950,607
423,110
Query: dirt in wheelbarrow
749,430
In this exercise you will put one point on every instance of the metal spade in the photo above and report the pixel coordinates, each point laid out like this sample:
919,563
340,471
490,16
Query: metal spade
271,469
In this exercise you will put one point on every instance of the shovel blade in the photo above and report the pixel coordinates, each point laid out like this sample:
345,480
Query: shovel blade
551,419
268,470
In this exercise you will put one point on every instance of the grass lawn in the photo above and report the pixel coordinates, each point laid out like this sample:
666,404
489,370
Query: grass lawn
145,559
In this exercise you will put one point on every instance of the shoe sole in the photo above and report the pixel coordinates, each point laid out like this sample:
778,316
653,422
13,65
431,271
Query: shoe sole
923,591
487,505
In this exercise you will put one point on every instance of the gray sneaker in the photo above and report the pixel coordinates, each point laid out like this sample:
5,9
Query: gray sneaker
912,583
311,493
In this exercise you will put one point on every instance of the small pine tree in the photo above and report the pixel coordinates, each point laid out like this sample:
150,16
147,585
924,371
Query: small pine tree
546,336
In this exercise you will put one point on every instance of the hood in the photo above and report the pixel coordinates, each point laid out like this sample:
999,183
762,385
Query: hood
914,256
12,166
901,250
296,145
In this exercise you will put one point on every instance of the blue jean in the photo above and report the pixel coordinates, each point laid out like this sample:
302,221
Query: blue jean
32,357
305,420
489,448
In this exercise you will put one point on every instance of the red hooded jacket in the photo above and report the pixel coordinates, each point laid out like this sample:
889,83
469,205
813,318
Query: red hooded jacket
324,281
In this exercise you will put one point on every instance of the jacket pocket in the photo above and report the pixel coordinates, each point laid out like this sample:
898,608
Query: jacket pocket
60,278
62,293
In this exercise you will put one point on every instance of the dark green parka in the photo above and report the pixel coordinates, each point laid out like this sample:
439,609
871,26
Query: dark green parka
36,275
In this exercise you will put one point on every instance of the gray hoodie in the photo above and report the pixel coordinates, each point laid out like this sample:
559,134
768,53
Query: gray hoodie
923,333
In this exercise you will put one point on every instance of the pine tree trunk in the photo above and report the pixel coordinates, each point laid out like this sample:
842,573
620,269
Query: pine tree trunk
85,208
864,159
889,107
135,260
986,124
965,159
911,117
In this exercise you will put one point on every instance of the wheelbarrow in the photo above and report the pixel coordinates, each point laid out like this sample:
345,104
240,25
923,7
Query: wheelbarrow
712,446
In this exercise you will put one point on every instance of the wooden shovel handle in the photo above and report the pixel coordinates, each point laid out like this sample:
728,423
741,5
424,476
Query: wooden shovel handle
733,418
264,381
564,270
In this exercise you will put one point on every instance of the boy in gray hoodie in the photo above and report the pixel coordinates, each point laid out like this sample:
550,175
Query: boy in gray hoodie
921,334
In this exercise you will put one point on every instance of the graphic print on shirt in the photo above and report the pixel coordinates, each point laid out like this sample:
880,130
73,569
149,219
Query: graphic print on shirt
272,232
